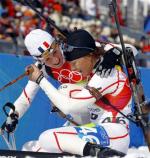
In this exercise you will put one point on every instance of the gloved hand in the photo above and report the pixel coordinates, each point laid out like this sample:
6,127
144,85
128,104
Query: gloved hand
11,123
108,62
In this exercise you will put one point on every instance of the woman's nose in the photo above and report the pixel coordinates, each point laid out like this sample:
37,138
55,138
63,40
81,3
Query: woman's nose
55,60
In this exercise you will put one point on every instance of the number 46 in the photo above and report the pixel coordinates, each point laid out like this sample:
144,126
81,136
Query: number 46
121,120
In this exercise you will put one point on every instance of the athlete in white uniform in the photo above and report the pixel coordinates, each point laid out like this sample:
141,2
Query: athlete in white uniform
54,65
78,101
106,129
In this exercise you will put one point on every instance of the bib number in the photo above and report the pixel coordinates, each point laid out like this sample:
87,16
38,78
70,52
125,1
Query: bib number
95,134
120,120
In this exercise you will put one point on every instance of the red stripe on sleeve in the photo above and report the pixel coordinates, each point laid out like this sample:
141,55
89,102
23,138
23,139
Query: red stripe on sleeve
26,96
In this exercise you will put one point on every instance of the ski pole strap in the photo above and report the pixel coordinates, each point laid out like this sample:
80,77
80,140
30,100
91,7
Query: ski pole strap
10,105
95,92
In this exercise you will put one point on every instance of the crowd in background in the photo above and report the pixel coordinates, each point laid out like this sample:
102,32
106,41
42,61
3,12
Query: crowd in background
16,20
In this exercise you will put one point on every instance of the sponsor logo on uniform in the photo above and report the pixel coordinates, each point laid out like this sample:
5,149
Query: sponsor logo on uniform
94,110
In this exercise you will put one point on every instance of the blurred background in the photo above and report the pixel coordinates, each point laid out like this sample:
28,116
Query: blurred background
17,20
94,16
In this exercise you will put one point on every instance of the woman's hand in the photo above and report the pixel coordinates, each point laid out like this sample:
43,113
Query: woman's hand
34,76
108,62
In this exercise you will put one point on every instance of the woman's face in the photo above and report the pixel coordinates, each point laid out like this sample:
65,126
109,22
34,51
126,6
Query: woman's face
83,65
54,59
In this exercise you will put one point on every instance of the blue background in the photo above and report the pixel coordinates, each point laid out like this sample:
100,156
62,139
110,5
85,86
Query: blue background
39,117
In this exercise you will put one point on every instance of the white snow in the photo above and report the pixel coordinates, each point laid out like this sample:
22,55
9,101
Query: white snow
141,152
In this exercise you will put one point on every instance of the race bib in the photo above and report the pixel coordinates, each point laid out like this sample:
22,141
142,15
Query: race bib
95,134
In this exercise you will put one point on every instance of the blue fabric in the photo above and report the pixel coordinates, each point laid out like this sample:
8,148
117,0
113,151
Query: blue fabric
95,134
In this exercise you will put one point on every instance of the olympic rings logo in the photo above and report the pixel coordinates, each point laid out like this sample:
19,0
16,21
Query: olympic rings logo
66,74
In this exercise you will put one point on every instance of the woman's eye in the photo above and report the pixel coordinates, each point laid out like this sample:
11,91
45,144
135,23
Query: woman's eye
47,59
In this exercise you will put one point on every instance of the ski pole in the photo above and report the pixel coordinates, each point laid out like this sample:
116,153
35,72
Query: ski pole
49,21
26,73
5,139
13,140
55,109
141,105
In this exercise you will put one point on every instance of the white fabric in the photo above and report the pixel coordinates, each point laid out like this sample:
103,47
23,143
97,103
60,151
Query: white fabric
65,139
33,146
93,109
81,118
35,39
113,130
111,45
24,101
81,107
76,106
68,142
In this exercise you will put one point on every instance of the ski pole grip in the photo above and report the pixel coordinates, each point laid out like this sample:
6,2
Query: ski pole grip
29,70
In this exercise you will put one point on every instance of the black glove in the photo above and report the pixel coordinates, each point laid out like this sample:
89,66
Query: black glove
108,62
11,123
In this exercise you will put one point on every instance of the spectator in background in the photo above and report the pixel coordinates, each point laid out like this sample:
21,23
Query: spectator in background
147,23
114,34
1,9
145,44
7,30
105,34
89,9
29,21
8,6
119,14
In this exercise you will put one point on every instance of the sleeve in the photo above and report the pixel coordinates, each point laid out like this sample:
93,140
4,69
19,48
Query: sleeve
24,100
77,104
135,51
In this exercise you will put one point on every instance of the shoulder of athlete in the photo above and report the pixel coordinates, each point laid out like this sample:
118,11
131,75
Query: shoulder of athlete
116,73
